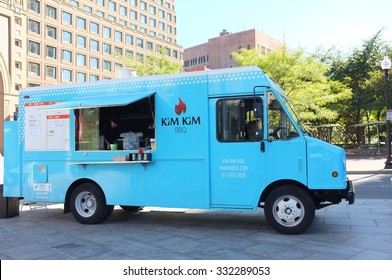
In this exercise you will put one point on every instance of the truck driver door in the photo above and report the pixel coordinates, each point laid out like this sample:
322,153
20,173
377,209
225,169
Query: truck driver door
236,151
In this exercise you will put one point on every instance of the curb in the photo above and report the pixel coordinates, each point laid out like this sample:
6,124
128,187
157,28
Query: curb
382,171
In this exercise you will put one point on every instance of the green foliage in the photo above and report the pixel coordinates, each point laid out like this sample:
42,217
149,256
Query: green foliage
152,64
304,79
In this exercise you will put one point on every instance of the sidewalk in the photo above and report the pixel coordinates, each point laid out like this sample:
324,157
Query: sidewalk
366,164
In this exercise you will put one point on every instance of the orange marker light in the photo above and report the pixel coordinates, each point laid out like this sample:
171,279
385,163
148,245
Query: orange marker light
335,174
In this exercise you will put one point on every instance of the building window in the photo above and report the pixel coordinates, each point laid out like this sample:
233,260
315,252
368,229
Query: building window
143,19
139,43
153,23
100,14
51,32
34,5
94,78
112,18
161,26
81,22
51,52
118,51
112,6
133,15
51,72
94,63
123,11
67,75
80,77
129,39
161,14
87,8
153,10
107,32
81,59
149,46
34,26
107,49
94,27
67,56
107,65
134,3
34,69
94,45
66,37
81,41
51,12
18,65
101,3
118,36
128,54
34,48
175,54
67,18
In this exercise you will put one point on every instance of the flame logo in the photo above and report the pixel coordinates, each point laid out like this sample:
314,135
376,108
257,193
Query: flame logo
180,107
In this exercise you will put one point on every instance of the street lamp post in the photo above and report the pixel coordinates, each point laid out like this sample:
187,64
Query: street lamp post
386,65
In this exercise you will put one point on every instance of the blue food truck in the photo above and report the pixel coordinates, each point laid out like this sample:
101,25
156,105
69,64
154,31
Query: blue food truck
224,139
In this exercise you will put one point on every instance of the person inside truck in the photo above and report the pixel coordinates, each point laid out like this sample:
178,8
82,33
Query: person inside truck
110,133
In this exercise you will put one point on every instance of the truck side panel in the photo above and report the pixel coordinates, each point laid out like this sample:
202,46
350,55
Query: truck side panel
12,165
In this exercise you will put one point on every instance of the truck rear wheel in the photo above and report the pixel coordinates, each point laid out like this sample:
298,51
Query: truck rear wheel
88,204
289,210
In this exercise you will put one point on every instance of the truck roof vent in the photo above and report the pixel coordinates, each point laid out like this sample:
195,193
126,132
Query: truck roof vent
125,73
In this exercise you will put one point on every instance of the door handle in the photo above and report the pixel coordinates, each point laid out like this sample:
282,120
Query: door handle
262,146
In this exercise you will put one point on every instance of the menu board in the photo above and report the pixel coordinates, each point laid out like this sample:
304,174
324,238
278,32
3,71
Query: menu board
46,130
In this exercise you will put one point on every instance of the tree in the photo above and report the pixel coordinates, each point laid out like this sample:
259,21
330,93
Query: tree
152,64
304,80
361,72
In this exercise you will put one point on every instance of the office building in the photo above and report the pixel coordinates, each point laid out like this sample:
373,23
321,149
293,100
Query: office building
217,52
47,42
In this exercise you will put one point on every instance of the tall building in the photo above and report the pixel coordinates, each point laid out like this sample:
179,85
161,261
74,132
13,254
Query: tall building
216,53
47,42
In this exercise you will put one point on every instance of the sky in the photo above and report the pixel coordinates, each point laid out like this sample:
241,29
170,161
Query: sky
306,24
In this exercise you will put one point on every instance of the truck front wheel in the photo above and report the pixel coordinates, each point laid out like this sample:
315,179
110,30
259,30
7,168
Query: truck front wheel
88,204
289,209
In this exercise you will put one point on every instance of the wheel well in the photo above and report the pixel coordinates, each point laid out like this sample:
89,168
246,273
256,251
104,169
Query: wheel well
70,190
278,184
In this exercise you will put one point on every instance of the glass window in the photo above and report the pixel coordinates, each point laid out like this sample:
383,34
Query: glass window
87,8
94,27
94,45
107,65
66,75
67,18
134,3
81,41
161,26
67,56
94,78
80,77
34,69
153,10
118,51
123,11
280,127
94,63
51,12
143,19
149,46
133,15
161,14
81,23
139,43
100,14
101,2
34,5
153,22
67,37
51,72
51,52
143,5
51,32
239,120
34,26
81,59
112,6
107,32
129,39
34,47
118,36
107,49
74,3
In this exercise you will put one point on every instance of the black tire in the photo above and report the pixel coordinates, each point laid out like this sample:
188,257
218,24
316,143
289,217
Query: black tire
131,208
289,210
88,204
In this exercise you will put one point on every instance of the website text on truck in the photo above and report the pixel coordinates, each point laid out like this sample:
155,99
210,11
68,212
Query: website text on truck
222,139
